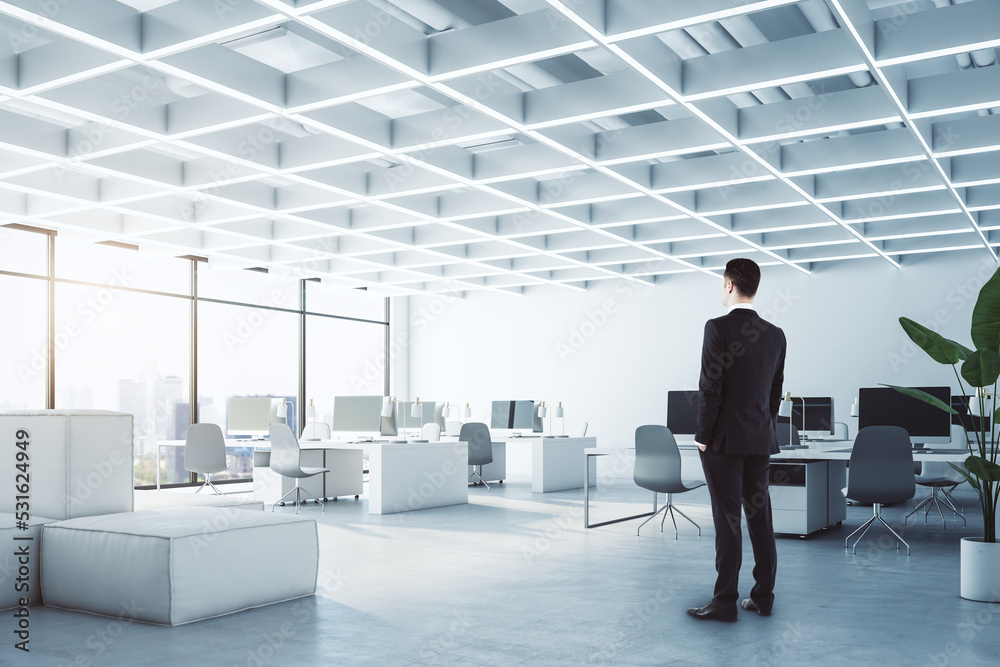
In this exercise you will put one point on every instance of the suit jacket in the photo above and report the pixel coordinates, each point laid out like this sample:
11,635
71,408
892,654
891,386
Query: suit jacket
742,368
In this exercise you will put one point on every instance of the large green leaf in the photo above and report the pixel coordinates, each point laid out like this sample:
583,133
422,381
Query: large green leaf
963,352
983,469
923,396
937,347
982,368
986,316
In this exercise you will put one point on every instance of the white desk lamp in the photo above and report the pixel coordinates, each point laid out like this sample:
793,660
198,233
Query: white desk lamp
559,414
311,419
283,411
387,406
468,412
542,411
416,411
856,407
785,410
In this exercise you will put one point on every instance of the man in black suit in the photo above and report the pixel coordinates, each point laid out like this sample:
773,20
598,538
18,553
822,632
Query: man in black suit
742,367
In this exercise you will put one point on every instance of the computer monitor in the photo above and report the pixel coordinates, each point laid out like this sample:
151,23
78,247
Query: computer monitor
682,412
249,416
974,423
389,424
883,406
357,414
812,416
512,415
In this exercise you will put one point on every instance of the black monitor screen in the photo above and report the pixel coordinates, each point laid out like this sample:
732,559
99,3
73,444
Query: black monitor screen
512,414
883,406
811,413
963,418
682,412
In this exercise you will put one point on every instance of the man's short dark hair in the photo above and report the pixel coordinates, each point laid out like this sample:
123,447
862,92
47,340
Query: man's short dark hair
745,275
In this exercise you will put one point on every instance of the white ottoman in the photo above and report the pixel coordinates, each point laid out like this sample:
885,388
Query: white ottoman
80,461
178,565
17,568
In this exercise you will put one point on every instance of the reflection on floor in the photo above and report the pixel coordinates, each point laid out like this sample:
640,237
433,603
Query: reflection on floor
513,578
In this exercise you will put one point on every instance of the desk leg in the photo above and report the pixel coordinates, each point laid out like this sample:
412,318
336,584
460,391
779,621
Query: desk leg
586,499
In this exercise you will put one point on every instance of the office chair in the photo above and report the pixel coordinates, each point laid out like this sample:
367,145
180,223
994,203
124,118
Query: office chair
453,428
316,431
881,468
286,461
938,475
205,453
431,432
658,469
480,448
787,435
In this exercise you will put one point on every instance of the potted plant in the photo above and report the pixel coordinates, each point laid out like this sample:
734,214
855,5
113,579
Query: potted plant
980,368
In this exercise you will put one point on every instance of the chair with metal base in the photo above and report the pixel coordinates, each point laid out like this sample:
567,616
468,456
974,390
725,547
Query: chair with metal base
477,435
205,453
285,460
881,473
937,476
658,469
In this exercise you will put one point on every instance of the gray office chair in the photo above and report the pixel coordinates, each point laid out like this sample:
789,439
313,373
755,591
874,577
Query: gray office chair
205,453
881,468
477,435
285,460
658,469
940,476
787,435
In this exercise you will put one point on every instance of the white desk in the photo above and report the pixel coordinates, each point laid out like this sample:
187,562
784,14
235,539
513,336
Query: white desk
406,476
835,453
554,462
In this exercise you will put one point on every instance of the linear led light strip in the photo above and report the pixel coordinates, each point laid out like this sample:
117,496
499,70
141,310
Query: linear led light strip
431,82
876,71
279,111
695,111
431,220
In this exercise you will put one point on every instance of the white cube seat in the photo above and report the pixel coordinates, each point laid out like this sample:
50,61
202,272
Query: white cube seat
178,565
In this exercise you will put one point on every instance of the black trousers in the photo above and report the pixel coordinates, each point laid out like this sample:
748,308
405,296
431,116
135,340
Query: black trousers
735,480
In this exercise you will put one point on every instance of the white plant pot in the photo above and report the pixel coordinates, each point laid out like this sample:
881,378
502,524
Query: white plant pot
980,570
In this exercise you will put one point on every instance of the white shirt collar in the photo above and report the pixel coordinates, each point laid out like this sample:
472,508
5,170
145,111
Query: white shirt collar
733,307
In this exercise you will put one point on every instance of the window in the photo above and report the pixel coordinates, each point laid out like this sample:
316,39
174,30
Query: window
345,302
120,267
23,363
127,351
343,358
23,252
245,351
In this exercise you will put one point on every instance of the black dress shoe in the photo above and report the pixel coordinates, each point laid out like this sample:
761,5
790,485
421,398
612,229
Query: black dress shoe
750,605
711,612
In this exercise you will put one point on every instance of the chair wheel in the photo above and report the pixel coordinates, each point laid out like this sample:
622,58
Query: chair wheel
356,496
500,482
282,504
334,500
324,499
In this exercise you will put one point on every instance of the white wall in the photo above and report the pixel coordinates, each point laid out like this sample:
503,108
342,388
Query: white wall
610,354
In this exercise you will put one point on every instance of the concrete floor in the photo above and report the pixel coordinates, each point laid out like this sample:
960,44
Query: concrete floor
513,578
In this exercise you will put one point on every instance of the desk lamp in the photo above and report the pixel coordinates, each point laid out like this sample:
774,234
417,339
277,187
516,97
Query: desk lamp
542,411
785,410
856,407
468,412
311,419
559,414
283,412
416,411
